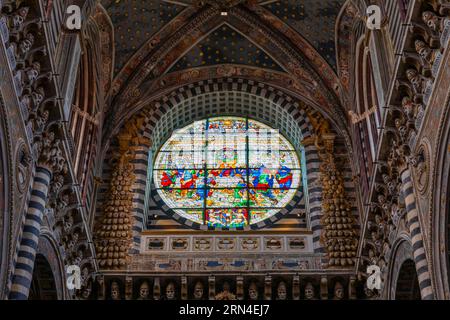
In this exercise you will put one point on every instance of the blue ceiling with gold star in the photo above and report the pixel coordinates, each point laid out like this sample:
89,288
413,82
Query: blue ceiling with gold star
315,20
225,45
136,21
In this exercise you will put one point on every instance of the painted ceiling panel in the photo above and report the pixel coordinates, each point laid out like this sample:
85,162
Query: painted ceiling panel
225,45
135,21
314,19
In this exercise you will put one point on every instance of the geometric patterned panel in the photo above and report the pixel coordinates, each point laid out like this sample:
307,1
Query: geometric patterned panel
226,45
314,19
135,22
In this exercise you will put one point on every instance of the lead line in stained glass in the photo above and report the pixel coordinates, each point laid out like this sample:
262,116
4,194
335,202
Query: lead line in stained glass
205,179
266,187
223,188
247,158
252,208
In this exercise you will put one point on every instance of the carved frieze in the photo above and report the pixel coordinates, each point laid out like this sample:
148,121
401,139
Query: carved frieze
224,263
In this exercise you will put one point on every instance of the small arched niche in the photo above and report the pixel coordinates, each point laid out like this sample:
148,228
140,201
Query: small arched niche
407,286
43,285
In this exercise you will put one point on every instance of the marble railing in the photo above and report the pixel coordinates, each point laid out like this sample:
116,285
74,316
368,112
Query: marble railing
225,252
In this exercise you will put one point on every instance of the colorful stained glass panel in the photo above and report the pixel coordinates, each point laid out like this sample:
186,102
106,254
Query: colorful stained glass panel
178,198
226,158
270,198
179,178
272,159
236,197
217,170
231,218
181,159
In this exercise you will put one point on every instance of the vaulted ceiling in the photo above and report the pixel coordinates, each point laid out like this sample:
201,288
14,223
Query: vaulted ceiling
136,21
162,45
314,19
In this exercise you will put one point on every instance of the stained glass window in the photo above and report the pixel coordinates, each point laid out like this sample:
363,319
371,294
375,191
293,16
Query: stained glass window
227,172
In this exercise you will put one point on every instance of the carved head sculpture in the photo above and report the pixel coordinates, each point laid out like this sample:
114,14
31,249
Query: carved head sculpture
115,291
309,291
369,293
58,181
198,290
431,20
253,291
338,291
372,255
281,291
144,291
73,240
33,71
413,77
374,236
85,274
41,120
19,18
79,255
25,102
68,223
170,291
423,50
407,104
64,199
38,96
26,44
17,21
86,292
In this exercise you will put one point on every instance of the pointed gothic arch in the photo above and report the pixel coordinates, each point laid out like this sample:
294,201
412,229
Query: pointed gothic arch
306,74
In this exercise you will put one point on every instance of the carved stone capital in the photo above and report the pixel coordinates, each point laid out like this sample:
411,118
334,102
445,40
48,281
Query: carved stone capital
309,141
51,154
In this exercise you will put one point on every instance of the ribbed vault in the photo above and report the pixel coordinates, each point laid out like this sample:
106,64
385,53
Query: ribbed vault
203,43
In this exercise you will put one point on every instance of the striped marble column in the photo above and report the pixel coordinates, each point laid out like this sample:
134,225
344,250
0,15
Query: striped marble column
23,274
140,163
413,224
19,237
314,191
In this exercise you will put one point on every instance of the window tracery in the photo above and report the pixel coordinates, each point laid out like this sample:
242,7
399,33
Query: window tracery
227,172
